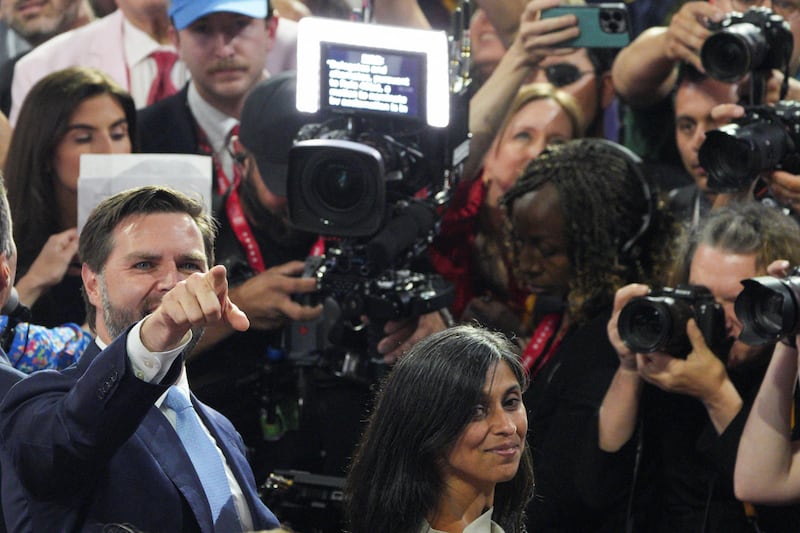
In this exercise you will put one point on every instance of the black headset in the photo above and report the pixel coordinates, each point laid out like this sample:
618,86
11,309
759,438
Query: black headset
635,166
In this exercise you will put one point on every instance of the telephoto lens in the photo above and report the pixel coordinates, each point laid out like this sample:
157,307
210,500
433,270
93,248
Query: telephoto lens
764,138
655,324
768,309
742,43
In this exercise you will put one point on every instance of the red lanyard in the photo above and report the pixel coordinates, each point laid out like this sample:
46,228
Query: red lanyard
543,344
233,208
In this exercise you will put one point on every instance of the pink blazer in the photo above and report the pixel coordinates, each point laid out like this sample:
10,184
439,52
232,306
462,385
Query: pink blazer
98,44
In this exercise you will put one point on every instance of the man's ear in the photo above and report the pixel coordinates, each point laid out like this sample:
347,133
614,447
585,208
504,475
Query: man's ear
91,284
272,26
5,272
174,38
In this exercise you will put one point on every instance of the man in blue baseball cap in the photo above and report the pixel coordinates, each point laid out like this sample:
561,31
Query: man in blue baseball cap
224,44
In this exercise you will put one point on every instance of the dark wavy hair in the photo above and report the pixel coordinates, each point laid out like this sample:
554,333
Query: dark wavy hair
42,123
424,405
605,200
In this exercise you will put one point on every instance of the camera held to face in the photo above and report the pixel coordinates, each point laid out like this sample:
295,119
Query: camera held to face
756,40
765,138
769,308
657,322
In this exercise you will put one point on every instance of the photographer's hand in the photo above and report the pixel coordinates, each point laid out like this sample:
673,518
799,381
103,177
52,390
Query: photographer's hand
701,375
773,88
403,334
644,72
688,30
620,407
266,298
785,187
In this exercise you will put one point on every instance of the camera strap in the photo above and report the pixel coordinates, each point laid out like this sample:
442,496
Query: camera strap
228,187
241,228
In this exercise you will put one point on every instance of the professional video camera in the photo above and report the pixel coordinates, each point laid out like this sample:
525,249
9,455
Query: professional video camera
769,308
765,138
657,322
754,42
373,176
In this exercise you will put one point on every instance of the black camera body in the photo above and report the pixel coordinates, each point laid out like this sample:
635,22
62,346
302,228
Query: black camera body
657,322
765,138
769,308
373,176
756,40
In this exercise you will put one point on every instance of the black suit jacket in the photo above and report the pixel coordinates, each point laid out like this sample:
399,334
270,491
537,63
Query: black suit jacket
6,77
167,126
86,447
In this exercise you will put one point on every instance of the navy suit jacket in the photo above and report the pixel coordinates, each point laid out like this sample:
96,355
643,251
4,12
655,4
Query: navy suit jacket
8,376
86,447
168,126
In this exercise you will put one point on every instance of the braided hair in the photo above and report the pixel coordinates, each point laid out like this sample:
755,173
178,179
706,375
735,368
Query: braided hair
612,225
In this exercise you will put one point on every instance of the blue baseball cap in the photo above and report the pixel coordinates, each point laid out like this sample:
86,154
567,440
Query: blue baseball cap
185,12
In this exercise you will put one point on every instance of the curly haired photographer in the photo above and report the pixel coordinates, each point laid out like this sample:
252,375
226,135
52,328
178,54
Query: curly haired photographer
574,250
674,423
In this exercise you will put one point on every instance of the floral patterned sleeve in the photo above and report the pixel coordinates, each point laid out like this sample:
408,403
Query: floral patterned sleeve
36,347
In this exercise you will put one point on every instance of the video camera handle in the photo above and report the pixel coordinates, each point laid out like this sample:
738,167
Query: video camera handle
400,233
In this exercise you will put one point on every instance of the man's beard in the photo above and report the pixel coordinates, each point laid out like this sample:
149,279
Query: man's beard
274,224
118,320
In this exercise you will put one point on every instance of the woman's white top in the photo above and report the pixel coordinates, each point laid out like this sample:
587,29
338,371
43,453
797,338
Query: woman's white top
482,524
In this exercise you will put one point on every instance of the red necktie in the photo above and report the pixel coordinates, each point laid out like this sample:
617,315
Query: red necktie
162,84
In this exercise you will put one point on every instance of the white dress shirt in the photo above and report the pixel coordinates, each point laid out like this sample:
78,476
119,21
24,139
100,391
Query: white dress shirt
142,69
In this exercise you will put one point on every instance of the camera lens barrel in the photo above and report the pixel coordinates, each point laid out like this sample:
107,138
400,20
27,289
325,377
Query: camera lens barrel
733,52
655,324
734,155
767,307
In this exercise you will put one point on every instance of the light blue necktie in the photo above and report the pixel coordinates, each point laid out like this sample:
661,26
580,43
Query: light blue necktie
207,462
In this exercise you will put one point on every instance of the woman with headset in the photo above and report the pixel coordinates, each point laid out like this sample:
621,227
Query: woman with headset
583,222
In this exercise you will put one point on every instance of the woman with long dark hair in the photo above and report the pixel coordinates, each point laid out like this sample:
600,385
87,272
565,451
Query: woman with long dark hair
68,113
445,446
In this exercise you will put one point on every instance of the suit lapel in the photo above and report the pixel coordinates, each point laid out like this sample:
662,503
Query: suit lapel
160,438
227,442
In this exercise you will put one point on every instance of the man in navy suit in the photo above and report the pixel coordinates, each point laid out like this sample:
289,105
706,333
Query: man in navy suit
96,444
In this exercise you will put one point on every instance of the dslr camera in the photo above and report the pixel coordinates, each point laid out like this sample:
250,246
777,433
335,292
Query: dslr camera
374,174
765,138
753,41
769,308
657,322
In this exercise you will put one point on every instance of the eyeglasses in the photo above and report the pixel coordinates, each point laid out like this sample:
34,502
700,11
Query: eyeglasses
785,8
563,74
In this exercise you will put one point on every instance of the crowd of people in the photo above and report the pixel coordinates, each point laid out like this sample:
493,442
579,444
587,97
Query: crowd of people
146,377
